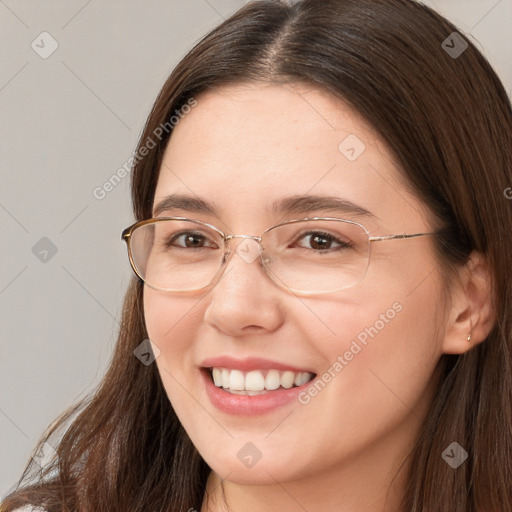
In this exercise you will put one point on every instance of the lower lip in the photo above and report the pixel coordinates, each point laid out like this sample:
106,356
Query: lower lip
245,405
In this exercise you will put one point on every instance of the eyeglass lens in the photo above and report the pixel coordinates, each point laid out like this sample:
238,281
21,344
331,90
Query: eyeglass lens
314,255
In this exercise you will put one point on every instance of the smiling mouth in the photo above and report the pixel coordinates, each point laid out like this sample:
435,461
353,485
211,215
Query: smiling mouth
257,382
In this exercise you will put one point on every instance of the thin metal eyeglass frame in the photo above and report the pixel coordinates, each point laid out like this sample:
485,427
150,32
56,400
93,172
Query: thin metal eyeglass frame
127,233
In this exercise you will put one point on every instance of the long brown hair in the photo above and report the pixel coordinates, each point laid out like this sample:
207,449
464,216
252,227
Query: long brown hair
448,121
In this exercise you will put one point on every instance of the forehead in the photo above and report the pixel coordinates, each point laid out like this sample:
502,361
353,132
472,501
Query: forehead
246,146
292,115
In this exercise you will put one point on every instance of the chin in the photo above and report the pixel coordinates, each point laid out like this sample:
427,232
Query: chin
280,467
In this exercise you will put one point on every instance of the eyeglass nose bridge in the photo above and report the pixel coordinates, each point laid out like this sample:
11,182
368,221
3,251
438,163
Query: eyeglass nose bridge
257,238
246,254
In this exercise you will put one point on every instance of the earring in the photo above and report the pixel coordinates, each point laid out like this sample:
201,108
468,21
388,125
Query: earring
469,338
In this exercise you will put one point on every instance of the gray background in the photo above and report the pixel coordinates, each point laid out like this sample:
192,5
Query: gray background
68,122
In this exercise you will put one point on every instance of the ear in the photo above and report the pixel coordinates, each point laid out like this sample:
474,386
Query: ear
472,308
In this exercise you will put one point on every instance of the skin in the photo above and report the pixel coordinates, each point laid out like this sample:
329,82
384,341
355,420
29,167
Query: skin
241,148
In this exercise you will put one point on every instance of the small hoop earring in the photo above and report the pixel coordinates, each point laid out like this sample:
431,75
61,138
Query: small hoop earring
469,338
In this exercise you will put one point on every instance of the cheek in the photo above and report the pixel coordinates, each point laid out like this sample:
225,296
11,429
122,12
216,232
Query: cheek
396,315
168,318
172,323
379,354
372,321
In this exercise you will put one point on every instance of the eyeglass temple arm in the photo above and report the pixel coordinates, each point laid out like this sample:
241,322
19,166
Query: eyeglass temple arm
397,237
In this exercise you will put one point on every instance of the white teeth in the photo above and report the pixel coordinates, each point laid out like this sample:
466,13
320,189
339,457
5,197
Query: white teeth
301,378
217,377
236,380
272,380
244,392
225,378
254,393
287,379
256,382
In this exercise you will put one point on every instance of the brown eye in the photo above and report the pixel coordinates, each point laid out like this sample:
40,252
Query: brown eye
320,241
190,240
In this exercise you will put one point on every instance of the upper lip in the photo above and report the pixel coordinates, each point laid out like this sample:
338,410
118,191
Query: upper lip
249,363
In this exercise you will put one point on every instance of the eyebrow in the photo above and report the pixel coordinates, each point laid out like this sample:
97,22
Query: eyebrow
293,204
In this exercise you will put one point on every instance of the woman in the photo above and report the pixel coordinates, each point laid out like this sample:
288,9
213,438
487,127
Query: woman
327,288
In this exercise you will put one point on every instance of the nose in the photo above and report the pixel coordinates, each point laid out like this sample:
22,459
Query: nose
244,299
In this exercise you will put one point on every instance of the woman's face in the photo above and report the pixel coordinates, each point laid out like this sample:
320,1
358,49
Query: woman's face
372,348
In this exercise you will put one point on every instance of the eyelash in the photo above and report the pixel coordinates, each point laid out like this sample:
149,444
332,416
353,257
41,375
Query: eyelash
330,237
171,240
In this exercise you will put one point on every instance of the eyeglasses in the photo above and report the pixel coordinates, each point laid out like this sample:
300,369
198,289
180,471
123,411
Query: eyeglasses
306,256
